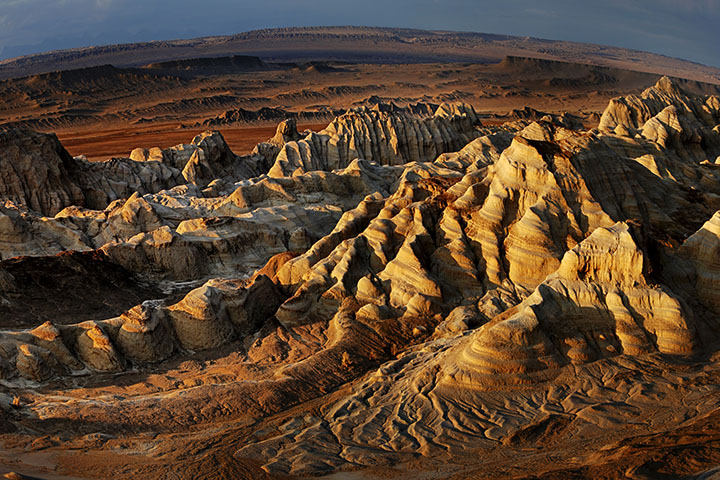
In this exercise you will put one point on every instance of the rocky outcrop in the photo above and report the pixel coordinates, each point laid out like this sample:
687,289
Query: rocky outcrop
669,116
200,247
508,235
180,234
213,159
35,171
411,294
386,137
241,115
215,314
597,304
702,249
118,178
207,158
23,232
283,213
38,173
532,115
542,260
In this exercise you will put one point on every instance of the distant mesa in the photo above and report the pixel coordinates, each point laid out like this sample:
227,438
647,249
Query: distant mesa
352,44
208,66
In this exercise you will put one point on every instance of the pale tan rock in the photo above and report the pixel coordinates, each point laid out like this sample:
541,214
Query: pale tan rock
35,363
459,320
667,115
201,320
388,138
351,223
479,153
702,249
135,215
153,154
47,336
596,305
454,261
421,306
220,311
145,335
345,188
374,313
23,232
370,290
95,349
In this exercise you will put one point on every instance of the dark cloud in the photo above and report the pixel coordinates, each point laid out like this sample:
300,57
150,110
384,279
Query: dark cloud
686,29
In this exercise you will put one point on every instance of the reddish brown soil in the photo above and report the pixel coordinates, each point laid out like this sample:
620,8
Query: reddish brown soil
101,144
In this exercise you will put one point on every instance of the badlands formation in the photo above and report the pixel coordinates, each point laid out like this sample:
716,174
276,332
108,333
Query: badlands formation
407,292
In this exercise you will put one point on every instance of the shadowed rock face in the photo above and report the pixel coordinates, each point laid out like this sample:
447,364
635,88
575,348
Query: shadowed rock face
393,286
35,172
35,289
38,173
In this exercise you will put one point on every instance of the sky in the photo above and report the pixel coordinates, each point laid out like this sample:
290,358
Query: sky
688,29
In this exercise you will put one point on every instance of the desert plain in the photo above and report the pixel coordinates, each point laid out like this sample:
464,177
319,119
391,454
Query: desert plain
343,252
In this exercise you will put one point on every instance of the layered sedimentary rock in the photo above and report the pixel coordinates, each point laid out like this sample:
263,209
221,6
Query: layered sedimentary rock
597,304
701,249
37,172
23,232
34,171
387,137
118,178
562,248
212,315
205,229
430,264
214,160
667,115
482,226
490,237
241,115
183,234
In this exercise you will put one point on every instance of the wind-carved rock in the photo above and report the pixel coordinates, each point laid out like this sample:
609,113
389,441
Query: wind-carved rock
35,171
214,160
529,239
118,178
597,304
208,158
456,258
386,137
220,311
38,173
703,251
669,116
